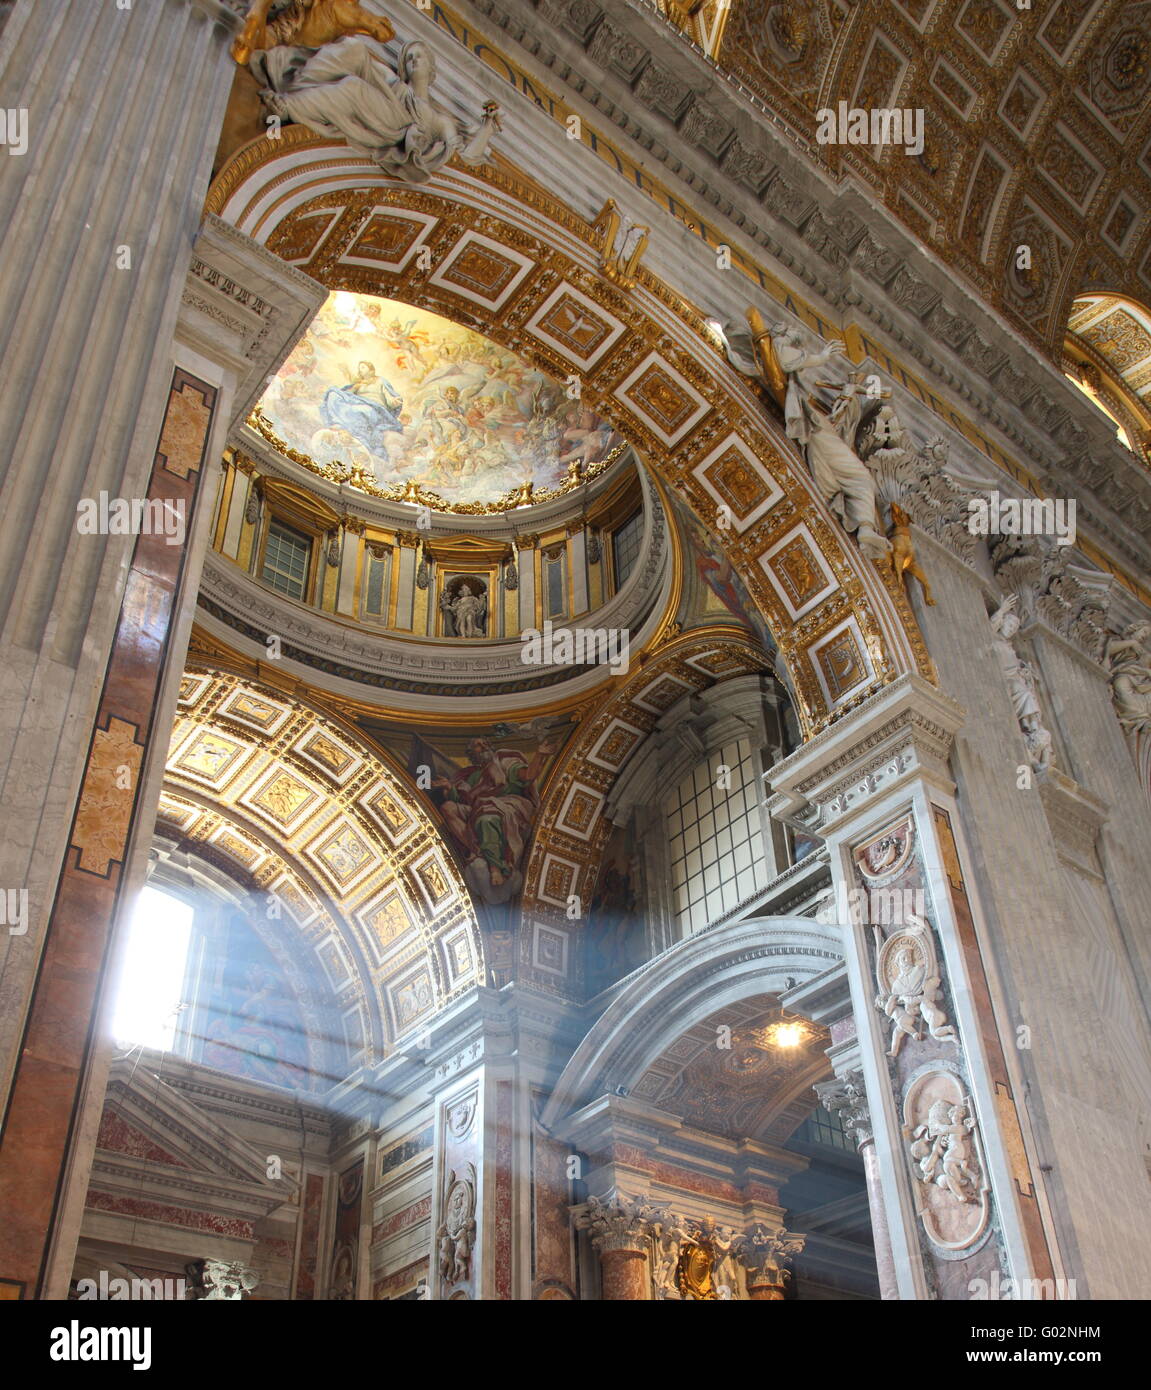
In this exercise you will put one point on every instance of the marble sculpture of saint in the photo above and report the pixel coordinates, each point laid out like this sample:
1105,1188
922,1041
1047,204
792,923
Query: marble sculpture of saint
780,357
349,91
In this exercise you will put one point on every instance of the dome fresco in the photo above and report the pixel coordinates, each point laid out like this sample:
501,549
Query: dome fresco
403,397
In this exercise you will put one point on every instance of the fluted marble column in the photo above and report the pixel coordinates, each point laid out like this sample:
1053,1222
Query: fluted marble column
620,1228
97,221
136,335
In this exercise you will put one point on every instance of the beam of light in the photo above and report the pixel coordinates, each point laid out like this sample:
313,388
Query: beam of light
152,979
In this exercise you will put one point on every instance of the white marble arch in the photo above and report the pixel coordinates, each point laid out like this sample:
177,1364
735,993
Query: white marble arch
656,1004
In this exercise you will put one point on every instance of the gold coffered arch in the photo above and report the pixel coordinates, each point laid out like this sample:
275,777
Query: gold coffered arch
292,802
574,827
501,257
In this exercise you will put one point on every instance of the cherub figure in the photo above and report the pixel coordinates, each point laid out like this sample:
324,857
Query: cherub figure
957,1175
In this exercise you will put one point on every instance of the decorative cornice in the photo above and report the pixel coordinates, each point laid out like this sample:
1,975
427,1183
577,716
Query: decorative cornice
903,730
243,306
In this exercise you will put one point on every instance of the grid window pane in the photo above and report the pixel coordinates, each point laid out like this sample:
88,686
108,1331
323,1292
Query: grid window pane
715,841
625,547
286,559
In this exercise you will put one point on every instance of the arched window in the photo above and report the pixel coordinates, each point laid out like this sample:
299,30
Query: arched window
150,990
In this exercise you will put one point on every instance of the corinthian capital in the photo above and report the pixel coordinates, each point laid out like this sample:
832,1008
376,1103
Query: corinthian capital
618,1222
762,1249
846,1097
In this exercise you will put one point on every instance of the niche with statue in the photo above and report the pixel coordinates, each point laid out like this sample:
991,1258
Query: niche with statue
464,606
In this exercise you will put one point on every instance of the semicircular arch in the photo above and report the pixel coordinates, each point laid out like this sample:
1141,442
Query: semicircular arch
341,853
502,258
655,1005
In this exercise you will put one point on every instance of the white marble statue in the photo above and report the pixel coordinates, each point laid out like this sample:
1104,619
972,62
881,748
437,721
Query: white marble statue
469,612
1020,681
790,369
348,90
1129,658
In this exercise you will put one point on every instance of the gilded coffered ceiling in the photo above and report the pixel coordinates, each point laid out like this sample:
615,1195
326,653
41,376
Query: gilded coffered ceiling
1120,333
332,845
1037,130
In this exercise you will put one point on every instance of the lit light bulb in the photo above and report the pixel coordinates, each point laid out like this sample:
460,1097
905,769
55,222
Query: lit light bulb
788,1034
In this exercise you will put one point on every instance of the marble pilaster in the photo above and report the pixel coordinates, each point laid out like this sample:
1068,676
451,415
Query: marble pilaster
135,342
877,787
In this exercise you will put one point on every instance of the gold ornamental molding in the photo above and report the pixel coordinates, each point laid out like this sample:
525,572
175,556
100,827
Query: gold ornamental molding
414,493
296,503
464,550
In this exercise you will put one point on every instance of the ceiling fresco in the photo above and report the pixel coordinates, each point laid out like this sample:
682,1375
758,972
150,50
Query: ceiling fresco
405,402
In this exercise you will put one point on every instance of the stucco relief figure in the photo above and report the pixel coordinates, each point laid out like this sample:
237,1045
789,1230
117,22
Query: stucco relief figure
942,1151
668,1240
722,1241
1129,658
910,989
941,1139
456,1234
788,368
1020,681
347,89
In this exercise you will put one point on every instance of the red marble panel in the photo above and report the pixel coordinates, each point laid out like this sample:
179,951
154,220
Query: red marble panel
119,1136
502,1204
401,1220
313,1205
401,1281
551,1211
234,1226
58,1038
